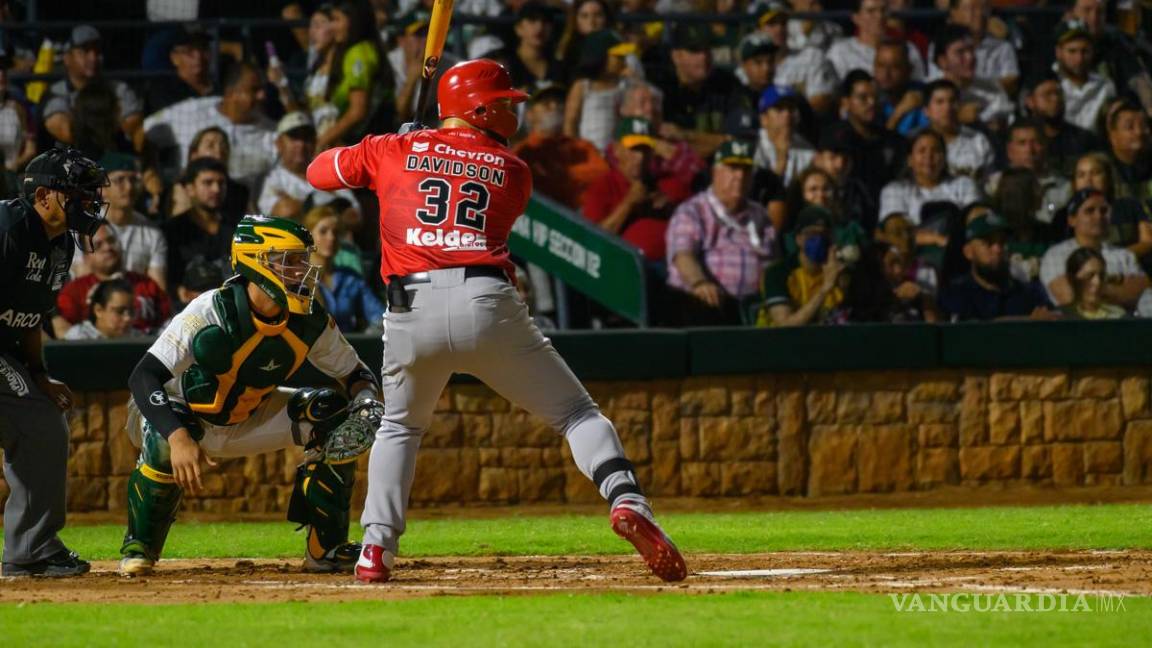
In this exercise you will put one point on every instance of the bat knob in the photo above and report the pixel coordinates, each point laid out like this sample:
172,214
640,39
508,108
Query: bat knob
409,127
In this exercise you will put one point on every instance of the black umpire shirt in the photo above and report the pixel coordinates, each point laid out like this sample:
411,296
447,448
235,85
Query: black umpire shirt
32,271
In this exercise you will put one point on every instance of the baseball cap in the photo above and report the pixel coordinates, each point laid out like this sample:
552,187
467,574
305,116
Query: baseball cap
294,124
600,44
1079,198
693,37
192,36
775,95
84,36
634,131
1070,30
734,152
755,45
813,216
548,92
984,226
772,10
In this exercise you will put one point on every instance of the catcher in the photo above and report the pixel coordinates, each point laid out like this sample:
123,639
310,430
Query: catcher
210,387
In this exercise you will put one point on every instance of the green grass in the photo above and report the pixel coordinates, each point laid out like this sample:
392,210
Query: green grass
1119,526
830,619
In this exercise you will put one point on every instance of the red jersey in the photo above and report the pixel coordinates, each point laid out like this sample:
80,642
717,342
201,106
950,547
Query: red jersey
152,307
448,197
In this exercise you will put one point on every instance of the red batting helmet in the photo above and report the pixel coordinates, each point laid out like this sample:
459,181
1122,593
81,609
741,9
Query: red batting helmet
469,90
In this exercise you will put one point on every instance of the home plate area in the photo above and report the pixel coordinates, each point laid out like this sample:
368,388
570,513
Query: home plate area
243,580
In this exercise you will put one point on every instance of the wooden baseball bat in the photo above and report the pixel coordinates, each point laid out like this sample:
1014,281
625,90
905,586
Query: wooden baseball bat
433,50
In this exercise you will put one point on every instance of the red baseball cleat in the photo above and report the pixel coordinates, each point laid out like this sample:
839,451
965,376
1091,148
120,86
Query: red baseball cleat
633,522
375,564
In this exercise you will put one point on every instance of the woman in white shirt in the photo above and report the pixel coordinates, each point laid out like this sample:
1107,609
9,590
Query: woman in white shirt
927,180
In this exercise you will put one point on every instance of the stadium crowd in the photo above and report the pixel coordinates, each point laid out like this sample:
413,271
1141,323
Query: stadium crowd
773,169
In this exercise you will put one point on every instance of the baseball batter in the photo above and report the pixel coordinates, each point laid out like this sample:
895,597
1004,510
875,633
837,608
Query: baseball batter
210,387
448,199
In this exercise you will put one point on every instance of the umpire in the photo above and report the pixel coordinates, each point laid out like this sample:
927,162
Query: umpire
59,197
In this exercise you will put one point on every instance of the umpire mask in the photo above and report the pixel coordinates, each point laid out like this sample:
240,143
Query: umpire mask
79,179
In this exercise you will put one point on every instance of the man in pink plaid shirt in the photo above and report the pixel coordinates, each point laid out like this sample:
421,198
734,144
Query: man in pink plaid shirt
718,244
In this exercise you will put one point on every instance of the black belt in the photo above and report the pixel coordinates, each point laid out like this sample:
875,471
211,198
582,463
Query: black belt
470,272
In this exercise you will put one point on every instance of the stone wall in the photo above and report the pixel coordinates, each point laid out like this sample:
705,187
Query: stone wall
794,434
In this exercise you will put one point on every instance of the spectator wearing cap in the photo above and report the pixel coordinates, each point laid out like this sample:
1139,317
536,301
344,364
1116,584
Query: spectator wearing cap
807,289
592,108
286,189
237,113
1085,273
563,167
359,84
834,155
1088,217
191,57
778,147
859,51
626,200
532,65
877,153
806,70
17,137
926,180
205,229
1118,56
1043,100
995,57
1128,145
988,291
755,73
199,276
969,151
675,166
981,101
720,243
82,67
1085,92
901,99
141,244
1025,149
1131,218
807,32
698,96
104,260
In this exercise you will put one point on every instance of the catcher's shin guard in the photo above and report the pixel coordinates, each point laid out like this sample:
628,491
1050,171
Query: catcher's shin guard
321,501
153,498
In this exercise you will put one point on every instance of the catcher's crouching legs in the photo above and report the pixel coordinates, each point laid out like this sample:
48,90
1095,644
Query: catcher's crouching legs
321,497
153,499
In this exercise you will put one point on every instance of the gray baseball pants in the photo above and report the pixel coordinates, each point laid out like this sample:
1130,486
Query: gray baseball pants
34,435
477,326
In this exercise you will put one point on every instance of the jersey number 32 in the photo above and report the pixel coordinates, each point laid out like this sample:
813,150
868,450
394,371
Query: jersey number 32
470,202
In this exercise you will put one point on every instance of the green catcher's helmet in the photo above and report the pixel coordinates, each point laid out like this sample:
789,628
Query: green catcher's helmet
275,254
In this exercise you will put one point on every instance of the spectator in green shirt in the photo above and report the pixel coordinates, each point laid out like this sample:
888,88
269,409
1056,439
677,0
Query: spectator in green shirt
360,80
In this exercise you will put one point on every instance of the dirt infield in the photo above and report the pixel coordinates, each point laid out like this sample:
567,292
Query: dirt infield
183,581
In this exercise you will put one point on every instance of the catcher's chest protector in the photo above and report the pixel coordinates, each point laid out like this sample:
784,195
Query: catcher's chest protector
240,362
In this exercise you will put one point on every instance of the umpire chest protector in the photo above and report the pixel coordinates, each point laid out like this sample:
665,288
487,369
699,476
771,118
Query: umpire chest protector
240,362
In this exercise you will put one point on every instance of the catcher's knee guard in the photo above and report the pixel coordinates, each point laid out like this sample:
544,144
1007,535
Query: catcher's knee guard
153,496
322,501
337,433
